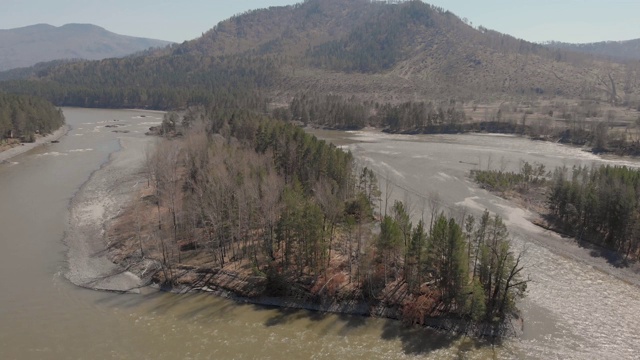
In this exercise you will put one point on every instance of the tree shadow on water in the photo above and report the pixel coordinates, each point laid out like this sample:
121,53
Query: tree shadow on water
615,259
319,321
351,322
118,299
417,340
186,306
284,316
594,249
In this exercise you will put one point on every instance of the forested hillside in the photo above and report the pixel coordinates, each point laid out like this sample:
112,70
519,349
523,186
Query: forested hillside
22,117
380,52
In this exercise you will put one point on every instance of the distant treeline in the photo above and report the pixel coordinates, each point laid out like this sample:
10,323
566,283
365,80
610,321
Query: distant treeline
413,117
337,112
448,117
502,181
22,117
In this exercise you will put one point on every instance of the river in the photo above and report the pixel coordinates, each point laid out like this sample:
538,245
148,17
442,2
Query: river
572,309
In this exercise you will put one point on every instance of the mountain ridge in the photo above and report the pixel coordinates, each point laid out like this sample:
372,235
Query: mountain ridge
442,48
376,51
29,45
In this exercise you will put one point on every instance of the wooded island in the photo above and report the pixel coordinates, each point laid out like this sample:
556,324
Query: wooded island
258,207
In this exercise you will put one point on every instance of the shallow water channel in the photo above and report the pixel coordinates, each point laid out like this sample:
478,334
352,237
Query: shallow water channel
572,310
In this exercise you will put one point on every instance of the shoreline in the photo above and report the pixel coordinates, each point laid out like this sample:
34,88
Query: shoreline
97,202
24,147
512,328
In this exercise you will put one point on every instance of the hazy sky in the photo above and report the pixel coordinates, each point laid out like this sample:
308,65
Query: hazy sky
179,20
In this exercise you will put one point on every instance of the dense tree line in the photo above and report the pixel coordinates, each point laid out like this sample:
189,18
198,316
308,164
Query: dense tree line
600,205
415,117
22,117
448,117
251,194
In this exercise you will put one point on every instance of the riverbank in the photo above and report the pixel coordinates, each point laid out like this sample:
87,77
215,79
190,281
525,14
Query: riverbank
24,147
510,329
98,201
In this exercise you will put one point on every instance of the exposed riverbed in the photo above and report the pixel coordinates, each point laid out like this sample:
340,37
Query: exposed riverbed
572,311
578,305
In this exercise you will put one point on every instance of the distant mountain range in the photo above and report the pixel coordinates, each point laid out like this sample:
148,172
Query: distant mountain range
27,46
620,50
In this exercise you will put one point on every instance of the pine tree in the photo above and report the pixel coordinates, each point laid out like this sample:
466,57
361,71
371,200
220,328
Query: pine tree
448,261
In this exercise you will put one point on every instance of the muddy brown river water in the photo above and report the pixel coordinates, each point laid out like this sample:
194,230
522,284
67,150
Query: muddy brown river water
573,310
